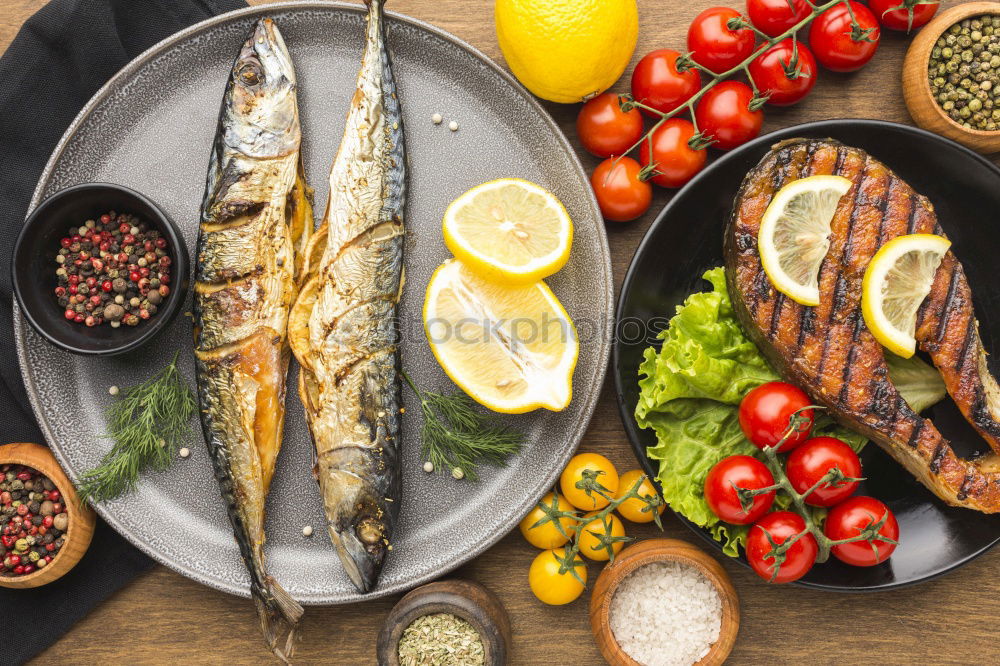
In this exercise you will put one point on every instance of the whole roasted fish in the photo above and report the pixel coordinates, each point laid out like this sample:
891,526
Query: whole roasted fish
343,326
256,208
829,350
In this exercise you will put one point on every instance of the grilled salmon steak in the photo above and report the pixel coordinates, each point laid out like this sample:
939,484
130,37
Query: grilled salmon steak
828,349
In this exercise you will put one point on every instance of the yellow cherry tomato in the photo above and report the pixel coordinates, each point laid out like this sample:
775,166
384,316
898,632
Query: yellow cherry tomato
589,539
632,509
589,469
552,587
547,535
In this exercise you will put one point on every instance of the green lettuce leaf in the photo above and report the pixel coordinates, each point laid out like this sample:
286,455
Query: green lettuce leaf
689,395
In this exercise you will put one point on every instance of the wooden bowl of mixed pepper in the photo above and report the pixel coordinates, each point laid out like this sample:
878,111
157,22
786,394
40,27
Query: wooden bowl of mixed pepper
951,76
45,528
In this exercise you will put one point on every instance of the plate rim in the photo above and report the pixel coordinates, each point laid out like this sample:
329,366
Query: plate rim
626,414
591,394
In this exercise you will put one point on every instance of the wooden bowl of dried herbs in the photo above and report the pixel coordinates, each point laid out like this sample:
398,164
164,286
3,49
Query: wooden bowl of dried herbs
446,622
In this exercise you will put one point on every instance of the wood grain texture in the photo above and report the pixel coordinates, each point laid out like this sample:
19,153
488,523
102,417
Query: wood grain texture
164,617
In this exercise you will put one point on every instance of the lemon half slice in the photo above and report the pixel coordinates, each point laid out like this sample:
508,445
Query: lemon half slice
897,281
509,230
512,349
794,234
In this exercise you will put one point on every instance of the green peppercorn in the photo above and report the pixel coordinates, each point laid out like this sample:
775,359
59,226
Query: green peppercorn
963,72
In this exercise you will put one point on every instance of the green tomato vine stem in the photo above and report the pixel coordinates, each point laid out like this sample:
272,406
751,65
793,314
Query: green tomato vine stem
699,141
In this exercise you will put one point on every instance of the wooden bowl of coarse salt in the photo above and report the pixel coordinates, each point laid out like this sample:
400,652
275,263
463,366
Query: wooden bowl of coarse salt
664,601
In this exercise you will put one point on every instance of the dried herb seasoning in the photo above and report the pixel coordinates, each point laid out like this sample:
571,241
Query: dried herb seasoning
441,639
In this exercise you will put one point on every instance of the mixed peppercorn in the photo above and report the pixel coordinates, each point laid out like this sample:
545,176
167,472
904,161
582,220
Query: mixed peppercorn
115,270
34,520
964,72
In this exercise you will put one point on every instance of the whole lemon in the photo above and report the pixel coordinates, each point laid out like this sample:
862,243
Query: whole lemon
567,50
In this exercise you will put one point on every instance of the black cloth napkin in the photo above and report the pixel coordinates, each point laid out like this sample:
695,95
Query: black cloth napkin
58,60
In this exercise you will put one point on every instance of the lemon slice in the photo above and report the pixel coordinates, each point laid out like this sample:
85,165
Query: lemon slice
512,349
897,281
509,230
795,234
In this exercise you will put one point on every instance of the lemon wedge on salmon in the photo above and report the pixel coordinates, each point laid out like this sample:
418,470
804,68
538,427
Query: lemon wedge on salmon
509,230
794,234
511,348
896,282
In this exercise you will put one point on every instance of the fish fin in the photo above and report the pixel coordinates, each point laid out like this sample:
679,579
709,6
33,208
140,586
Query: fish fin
279,614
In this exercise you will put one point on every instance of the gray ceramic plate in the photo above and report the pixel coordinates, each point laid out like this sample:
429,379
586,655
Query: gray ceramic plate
150,129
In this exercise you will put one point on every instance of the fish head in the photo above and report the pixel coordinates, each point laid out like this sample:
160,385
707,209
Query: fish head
262,109
362,546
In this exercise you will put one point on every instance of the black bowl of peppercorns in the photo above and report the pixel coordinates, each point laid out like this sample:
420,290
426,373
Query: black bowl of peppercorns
99,269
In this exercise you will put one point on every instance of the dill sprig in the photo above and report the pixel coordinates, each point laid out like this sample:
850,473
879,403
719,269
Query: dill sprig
146,423
456,434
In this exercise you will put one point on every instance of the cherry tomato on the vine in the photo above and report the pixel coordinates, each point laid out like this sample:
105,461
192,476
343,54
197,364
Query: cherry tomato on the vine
852,516
674,161
766,412
810,461
786,72
724,113
800,556
604,129
713,45
620,193
840,45
657,83
593,466
634,509
738,472
551,586
774,17
903,14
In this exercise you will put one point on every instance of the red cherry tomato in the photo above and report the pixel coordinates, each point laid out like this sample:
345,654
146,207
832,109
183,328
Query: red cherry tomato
799,558
604,129
714,45
849,518
675,162
808,463
743,472
837,44
620,193
657,83
771,71
766,411
774,17
903,14
723,112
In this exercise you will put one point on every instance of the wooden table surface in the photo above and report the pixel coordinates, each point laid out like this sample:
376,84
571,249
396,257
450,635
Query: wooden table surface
164,617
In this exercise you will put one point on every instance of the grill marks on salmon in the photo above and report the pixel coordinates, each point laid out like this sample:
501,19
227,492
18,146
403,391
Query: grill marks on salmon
256,209
829,350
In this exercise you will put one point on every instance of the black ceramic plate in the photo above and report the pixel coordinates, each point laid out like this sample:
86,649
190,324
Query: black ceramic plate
686,239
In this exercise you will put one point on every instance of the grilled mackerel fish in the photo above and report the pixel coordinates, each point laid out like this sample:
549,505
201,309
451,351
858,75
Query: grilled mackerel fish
256,209
828,349
343,325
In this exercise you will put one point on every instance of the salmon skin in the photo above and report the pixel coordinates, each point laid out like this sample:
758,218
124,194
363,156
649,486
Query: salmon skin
828,349
343,326
256,208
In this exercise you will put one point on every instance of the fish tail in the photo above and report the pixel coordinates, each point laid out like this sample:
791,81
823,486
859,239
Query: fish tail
279,614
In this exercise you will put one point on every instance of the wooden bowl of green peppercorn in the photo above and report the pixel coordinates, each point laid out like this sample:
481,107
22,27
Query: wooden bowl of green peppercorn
949,85
81,523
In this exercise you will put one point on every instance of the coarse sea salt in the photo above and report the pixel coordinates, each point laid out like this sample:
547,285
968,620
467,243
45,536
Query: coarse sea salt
666,614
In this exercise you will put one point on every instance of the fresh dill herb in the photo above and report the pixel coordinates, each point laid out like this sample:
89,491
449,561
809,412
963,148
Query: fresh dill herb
456,434
146,423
